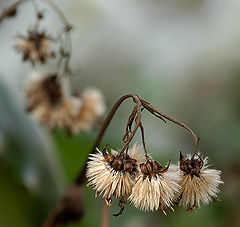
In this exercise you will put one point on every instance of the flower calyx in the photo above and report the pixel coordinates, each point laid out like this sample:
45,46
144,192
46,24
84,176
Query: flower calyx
191,166
151,168
120,162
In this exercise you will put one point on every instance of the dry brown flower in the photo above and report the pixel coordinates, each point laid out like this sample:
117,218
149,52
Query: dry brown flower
113,174
47,102
92,109
36,46
199,183
156,187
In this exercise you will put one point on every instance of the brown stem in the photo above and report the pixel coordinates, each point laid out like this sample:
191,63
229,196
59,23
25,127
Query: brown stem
155,111
143,141
80,179
137,121
58,11
105,215
67,29
128,129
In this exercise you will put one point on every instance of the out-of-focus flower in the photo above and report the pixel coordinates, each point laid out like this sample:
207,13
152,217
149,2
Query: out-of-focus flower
156,187
92,109
36,46
47,102
199,183
113,174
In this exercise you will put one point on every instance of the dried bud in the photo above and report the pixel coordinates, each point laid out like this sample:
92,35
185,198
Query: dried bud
35,46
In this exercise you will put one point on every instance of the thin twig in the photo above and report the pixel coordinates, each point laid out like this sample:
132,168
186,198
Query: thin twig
67,29
137,122
154,110
105,215
143,141
80,179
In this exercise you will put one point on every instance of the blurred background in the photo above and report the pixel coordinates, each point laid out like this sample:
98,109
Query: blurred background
183,56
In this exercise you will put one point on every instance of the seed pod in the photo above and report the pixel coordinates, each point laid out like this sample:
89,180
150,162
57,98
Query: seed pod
144,169
155,166
117,163
149,167
109,158
128,167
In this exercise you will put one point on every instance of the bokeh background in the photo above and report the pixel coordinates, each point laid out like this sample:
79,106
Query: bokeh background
183,56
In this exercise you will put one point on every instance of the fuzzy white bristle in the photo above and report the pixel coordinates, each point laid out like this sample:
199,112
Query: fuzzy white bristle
149,194
199,189
107,181
92,109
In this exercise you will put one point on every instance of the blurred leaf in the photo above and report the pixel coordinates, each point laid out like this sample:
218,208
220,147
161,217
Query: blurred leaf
28,151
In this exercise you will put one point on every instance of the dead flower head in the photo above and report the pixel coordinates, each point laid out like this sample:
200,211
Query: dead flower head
92,109
199,183
47,102
113,174
156,187
35,46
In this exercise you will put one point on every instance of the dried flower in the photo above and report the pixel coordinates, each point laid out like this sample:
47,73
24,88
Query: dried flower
35,46
92,109
47,102
113,174
199,183
155,187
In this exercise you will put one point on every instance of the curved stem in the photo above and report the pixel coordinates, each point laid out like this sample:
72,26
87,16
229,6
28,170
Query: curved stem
154,110
137,121
143,141
67,29
80,179
58,11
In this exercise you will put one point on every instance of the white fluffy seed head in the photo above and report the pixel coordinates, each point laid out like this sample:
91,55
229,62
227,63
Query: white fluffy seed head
149,193
60,114
199,189
92,109
106,180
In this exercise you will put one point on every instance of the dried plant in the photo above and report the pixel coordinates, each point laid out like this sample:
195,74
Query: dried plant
130,174
45,96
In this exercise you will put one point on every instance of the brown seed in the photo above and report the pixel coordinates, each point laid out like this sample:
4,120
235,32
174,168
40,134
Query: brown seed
109,158
149,167
117,164
144,169
154,167
128,167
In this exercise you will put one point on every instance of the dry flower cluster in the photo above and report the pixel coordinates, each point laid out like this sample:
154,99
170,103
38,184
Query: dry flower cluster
53,106
147,184
130,175
48,95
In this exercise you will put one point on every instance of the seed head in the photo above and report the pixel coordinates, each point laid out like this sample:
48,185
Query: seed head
199,183
35,46
113,174
47,102
155,187
92,109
